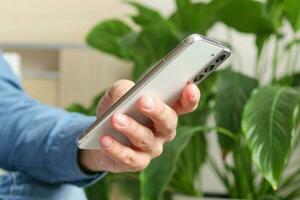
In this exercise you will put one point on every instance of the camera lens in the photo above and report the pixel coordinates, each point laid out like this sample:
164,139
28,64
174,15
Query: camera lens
209,68
221,58
198,78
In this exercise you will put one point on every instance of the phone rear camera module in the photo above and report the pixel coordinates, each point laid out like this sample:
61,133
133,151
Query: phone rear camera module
209,68
198,78
221,58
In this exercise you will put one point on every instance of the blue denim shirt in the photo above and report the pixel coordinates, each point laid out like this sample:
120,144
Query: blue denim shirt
36,139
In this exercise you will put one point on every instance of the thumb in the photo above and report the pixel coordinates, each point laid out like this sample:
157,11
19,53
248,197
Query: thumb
113,94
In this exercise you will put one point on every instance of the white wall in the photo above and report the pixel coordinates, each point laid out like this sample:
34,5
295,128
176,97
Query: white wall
55,21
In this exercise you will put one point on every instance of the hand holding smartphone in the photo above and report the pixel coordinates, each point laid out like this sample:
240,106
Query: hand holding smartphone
191,61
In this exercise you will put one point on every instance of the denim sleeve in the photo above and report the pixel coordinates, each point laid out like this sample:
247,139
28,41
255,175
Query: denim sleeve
37,139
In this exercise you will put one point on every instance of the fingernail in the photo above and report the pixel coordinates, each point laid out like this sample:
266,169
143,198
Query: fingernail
122,120
148,103
106,142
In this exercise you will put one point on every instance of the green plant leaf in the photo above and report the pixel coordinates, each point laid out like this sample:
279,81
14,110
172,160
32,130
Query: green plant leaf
292,43
109,37
268,123
76,107
190,17
242,171
290,80
194,154
94,104
233,90
290,186
246,16
274,9
144,48
146,15
158,39
99,190
127,183
91,110
188,166
291,11
153,43
260,41
294,195
157,176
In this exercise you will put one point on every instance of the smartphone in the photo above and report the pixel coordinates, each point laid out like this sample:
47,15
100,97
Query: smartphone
195,58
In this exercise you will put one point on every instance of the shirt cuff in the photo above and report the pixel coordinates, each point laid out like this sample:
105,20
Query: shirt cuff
66,152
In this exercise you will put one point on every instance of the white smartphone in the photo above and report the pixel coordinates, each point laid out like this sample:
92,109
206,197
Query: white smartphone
191,61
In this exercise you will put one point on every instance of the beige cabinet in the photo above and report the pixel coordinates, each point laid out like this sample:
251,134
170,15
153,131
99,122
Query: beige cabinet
85,73
63,76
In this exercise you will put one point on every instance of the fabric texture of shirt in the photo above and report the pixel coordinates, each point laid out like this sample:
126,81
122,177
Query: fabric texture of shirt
19,186
39,140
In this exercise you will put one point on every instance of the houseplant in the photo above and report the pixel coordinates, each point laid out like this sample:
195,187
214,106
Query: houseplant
256,119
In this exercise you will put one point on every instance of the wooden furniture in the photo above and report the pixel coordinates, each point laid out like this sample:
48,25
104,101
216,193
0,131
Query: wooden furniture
60,76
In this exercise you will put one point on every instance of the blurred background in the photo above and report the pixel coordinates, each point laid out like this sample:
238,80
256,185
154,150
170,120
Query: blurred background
44,41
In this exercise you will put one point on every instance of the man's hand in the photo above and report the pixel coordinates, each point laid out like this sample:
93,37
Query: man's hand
147,143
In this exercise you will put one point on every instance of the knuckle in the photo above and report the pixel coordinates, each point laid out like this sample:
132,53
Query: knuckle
166,118
158,151
116,152
128,159
171,136
144,143
171,125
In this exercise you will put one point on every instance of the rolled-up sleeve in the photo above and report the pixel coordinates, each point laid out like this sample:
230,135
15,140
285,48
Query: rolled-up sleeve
37,139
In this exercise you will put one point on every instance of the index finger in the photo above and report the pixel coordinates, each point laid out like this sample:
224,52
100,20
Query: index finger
189,100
